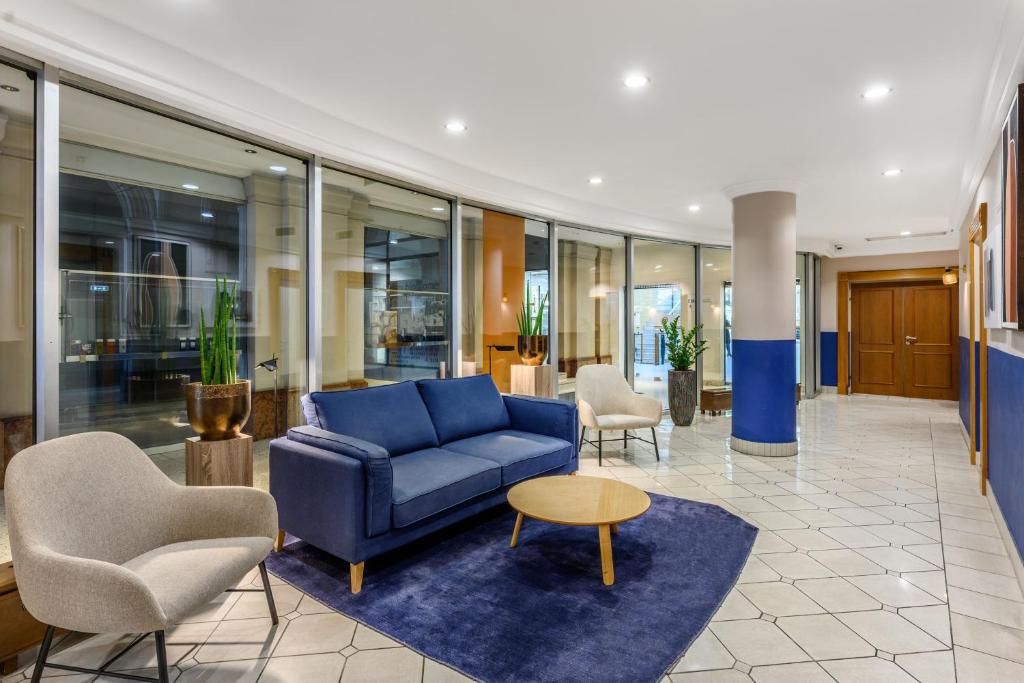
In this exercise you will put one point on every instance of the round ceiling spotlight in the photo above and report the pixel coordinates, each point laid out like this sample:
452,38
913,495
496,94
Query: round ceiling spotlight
278,168
250,150
905,233
207,214
596,180
189,186
635,81
876,92
438,209
892,172
455,127
693,208
10,88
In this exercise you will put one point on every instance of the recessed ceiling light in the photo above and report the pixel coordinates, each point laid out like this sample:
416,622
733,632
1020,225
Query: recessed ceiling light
892,172
207,214
596,180
455,127
189,186
693,208
876,92
392,241
635,80
709,265
10,88
278,168
905,233
250,150
657,266
439,209
108,242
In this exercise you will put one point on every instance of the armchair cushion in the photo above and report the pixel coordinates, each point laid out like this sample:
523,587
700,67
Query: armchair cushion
182,575
369,414
521,455
434,479
464,407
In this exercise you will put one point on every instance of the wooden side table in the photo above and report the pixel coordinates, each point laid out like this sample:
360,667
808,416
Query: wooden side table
533,380
18,629
715,400
218,463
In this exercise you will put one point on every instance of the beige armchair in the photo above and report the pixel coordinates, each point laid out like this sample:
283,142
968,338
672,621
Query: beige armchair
104,542
606,402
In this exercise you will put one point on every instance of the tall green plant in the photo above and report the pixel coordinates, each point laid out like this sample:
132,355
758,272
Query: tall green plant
683,343
218,355
531,324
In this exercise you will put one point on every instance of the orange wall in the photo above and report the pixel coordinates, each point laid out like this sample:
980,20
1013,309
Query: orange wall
504,262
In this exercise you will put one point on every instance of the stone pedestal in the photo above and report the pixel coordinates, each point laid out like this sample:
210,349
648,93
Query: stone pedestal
533,380
218,463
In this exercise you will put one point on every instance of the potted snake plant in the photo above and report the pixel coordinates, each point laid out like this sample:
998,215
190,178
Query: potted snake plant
219,404
531,345
684,346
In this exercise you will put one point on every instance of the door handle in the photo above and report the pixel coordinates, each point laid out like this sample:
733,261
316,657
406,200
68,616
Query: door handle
910,340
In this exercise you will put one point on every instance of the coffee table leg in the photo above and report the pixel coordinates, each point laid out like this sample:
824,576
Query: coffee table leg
515,531
604,533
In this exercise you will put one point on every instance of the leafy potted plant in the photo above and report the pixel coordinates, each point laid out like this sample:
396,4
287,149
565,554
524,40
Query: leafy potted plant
684,346
219,405
531,345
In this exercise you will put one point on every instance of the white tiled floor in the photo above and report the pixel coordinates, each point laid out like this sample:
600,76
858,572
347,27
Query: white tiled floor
877,560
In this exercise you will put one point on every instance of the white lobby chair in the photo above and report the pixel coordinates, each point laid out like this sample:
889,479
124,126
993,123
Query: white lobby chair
606,402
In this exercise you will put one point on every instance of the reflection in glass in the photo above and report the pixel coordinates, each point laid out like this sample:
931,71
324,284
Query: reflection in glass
716,315
152,212
504,257
591,291
386,282
663,286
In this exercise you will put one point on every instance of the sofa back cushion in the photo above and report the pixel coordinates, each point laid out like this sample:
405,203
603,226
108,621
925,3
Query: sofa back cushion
392,416
464,407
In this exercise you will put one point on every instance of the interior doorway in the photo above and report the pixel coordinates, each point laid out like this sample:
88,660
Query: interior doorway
904,339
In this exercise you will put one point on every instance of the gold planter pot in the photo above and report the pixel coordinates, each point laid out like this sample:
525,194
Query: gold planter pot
532,349
218,411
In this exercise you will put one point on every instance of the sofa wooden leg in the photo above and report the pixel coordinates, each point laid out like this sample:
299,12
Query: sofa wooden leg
355,575
279,541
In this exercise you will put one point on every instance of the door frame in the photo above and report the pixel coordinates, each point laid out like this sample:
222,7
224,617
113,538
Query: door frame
843,281
977,434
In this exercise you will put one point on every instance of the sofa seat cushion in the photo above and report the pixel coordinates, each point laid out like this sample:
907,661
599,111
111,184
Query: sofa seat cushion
521,455
392,416
464,407
432,480
187,575
618,421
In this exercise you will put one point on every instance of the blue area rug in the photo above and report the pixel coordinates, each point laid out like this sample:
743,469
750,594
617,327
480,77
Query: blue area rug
540,612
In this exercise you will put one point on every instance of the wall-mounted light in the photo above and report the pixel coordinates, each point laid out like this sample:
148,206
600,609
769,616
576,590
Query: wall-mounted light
949,277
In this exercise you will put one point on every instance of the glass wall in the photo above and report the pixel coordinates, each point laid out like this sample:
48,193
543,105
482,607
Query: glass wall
663,286
153,212
716,315
801,319
385,282
17,220
505,264
591,297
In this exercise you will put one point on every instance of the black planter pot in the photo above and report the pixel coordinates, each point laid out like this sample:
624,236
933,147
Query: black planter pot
682,396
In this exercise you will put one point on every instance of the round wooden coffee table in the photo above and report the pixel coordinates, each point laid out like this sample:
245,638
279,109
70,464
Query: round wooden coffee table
579,501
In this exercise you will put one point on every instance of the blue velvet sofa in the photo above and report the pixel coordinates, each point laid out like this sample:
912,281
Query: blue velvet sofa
376,468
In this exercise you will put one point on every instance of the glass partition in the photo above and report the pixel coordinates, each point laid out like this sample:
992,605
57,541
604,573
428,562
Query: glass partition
152,212
801,284
385,282
591,296
663,286
504,267
716,315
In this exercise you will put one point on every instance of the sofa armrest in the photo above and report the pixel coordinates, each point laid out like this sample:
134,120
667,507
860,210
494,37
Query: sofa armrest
547,416
323,496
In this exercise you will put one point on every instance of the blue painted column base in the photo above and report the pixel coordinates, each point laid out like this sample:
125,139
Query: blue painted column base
764,397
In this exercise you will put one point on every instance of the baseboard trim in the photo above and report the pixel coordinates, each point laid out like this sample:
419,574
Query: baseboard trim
1004,531
829,390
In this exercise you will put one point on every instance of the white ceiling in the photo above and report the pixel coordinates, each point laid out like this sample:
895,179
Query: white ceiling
741,91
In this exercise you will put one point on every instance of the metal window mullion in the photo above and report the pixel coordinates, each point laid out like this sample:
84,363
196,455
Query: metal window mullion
627,324
553,304
455,290
698,273
314,275
47,255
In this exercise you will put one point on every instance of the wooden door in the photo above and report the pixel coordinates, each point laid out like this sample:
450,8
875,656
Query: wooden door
930,328
904,340
877,331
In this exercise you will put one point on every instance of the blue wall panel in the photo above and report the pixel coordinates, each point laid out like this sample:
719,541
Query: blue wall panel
1006,438
764,390
829,359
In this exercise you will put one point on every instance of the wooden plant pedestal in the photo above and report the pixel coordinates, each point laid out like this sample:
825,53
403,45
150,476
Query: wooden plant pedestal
218,463
533,380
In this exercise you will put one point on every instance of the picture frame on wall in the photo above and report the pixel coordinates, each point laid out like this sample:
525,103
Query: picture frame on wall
1012,277
992,278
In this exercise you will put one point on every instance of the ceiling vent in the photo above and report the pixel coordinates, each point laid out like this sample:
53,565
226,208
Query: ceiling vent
885,238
